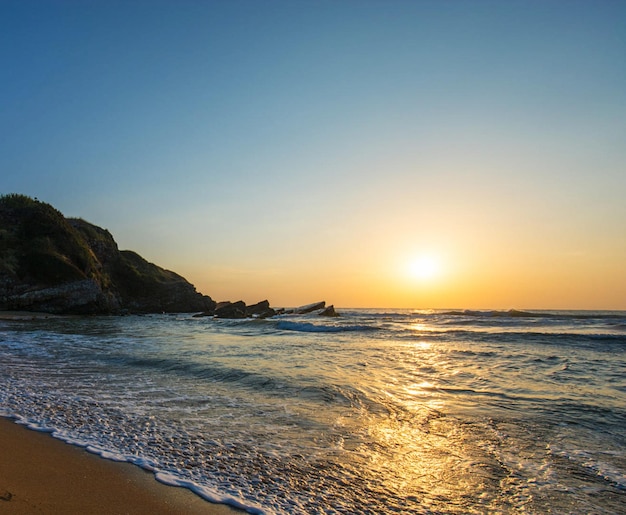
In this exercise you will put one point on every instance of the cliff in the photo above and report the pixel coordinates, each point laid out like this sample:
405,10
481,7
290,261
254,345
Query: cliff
62,265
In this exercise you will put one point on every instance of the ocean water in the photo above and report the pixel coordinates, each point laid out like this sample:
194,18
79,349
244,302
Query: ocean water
378,411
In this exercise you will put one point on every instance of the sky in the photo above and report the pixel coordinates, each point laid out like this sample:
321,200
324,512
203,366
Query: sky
416,154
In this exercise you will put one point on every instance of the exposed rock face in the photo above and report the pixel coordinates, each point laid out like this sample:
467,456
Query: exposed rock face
83,296
57,265
227,309
231,309
260,310
309,308
145,287
329,312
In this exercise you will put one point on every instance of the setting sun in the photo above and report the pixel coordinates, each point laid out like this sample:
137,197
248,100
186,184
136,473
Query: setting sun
424,268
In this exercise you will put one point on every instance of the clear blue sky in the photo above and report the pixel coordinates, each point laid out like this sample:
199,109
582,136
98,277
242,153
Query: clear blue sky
302,150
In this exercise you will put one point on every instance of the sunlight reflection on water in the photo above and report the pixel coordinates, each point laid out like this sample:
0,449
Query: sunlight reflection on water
422,328
400,418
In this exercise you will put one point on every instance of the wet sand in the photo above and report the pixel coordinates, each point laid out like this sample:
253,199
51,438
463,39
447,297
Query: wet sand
42,475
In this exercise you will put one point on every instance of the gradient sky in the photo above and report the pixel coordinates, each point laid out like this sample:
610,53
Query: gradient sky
299,150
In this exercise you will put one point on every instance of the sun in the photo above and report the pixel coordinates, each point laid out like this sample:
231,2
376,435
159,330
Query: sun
424,268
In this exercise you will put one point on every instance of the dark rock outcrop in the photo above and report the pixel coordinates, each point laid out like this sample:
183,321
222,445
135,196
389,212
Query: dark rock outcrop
57,265
230,309
309,308
329,312
227,309
260,310
78,297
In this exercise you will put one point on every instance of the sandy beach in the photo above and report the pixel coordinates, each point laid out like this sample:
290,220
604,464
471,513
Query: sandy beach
42,475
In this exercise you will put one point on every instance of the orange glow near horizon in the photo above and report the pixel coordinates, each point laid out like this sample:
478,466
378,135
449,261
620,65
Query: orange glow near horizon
470,283
483,268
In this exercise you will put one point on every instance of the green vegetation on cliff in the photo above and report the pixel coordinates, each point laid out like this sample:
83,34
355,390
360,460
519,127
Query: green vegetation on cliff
38,243
52,263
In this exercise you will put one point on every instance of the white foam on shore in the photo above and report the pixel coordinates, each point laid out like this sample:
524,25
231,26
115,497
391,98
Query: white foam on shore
209,494
166,478
308,415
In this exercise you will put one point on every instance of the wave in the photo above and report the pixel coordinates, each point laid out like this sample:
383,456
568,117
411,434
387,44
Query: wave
516,313
307,327
269,385
511,313
271,324
597,341
180,365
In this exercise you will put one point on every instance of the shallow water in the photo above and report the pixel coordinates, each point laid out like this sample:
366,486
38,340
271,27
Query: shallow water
378,411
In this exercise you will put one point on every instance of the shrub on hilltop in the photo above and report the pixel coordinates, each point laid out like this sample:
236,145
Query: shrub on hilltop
39,244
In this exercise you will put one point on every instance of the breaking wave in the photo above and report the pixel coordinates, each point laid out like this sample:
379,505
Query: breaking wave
307,327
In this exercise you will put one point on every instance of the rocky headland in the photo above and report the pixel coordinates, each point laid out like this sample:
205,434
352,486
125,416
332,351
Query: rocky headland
53,264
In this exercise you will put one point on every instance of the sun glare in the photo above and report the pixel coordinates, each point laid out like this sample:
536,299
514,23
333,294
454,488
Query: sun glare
424,268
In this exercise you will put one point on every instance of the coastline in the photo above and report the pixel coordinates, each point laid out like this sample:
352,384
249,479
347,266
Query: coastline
40,474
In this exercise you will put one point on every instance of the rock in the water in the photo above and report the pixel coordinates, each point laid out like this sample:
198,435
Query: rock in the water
316,306
260,310
231,309
329,312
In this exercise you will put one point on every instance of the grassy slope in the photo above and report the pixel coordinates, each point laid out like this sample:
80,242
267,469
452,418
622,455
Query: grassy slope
37,244
40,247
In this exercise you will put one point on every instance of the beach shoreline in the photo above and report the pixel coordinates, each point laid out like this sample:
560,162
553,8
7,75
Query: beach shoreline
41,474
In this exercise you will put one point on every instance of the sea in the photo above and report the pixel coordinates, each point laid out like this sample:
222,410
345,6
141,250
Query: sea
377,411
